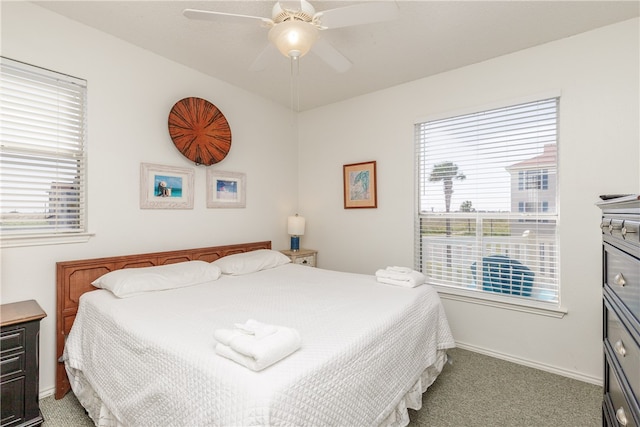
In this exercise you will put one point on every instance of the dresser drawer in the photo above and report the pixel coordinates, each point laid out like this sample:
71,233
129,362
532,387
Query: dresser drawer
626,350
622,412
621,230
13,402
12,340
622,276
12,364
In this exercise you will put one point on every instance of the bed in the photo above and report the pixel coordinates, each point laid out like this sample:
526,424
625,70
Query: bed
368,352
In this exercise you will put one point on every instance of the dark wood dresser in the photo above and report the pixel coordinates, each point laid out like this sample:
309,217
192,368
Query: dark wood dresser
19,363
621,310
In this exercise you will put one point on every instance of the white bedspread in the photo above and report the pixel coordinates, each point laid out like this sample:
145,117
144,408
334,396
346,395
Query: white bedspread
151,359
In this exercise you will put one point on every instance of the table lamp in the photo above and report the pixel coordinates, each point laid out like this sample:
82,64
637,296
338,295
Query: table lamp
295,227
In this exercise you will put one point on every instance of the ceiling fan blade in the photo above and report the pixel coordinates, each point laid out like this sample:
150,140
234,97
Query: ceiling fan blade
264,57
358,14
331,55
209,15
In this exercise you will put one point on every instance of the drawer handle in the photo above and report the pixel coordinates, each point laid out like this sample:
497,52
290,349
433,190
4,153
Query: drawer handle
626,231
619,348
619,279
621,416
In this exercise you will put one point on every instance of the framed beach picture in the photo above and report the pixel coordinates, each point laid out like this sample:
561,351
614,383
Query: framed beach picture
226,189
360,185
166,187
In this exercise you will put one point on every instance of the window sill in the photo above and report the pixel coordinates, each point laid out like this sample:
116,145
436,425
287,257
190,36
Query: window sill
41,240
498,301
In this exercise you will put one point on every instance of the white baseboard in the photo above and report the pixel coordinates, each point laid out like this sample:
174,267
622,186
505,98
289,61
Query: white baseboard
533,364
46,393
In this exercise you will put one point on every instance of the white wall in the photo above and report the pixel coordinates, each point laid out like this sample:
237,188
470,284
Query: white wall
599,152
131,92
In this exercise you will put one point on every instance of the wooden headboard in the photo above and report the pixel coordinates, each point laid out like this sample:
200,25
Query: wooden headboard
74,279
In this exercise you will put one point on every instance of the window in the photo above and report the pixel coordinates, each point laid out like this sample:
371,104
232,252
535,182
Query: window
533,207
487,197
42,154
533,179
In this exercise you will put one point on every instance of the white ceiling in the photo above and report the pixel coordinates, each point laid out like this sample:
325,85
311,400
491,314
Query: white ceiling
429,37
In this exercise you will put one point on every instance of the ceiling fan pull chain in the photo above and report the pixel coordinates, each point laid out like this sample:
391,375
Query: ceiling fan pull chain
292,83
295,83
297,75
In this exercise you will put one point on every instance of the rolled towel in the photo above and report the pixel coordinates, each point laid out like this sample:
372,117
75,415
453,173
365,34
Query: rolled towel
409,280
257,353
251,327
259,329
279,344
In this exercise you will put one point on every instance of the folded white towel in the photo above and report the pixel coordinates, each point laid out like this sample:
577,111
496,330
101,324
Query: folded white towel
409,280
397,269
229,353
255,352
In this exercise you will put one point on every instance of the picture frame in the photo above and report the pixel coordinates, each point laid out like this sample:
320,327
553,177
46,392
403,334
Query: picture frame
166,187
360,185
226,189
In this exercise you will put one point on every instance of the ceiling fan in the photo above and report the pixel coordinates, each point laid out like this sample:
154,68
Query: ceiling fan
293,29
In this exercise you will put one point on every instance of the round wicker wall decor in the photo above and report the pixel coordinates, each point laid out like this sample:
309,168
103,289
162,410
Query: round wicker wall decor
199,131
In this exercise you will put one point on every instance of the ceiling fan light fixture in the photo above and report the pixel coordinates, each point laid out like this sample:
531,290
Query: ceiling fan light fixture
293,38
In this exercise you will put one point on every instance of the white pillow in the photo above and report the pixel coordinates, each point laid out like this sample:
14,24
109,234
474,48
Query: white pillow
250,262
133,281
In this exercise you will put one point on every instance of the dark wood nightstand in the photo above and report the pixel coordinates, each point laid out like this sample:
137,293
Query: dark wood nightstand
19,363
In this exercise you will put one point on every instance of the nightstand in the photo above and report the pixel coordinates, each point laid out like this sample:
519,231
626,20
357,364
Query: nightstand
19,359
303,257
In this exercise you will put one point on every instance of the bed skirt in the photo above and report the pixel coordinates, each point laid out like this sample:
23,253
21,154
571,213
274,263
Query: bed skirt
413,398
399,417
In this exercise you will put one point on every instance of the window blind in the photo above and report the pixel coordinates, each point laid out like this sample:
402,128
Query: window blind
42,152
487,197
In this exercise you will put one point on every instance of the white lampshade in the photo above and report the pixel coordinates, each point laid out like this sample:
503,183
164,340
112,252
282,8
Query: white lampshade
295,225
293,38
